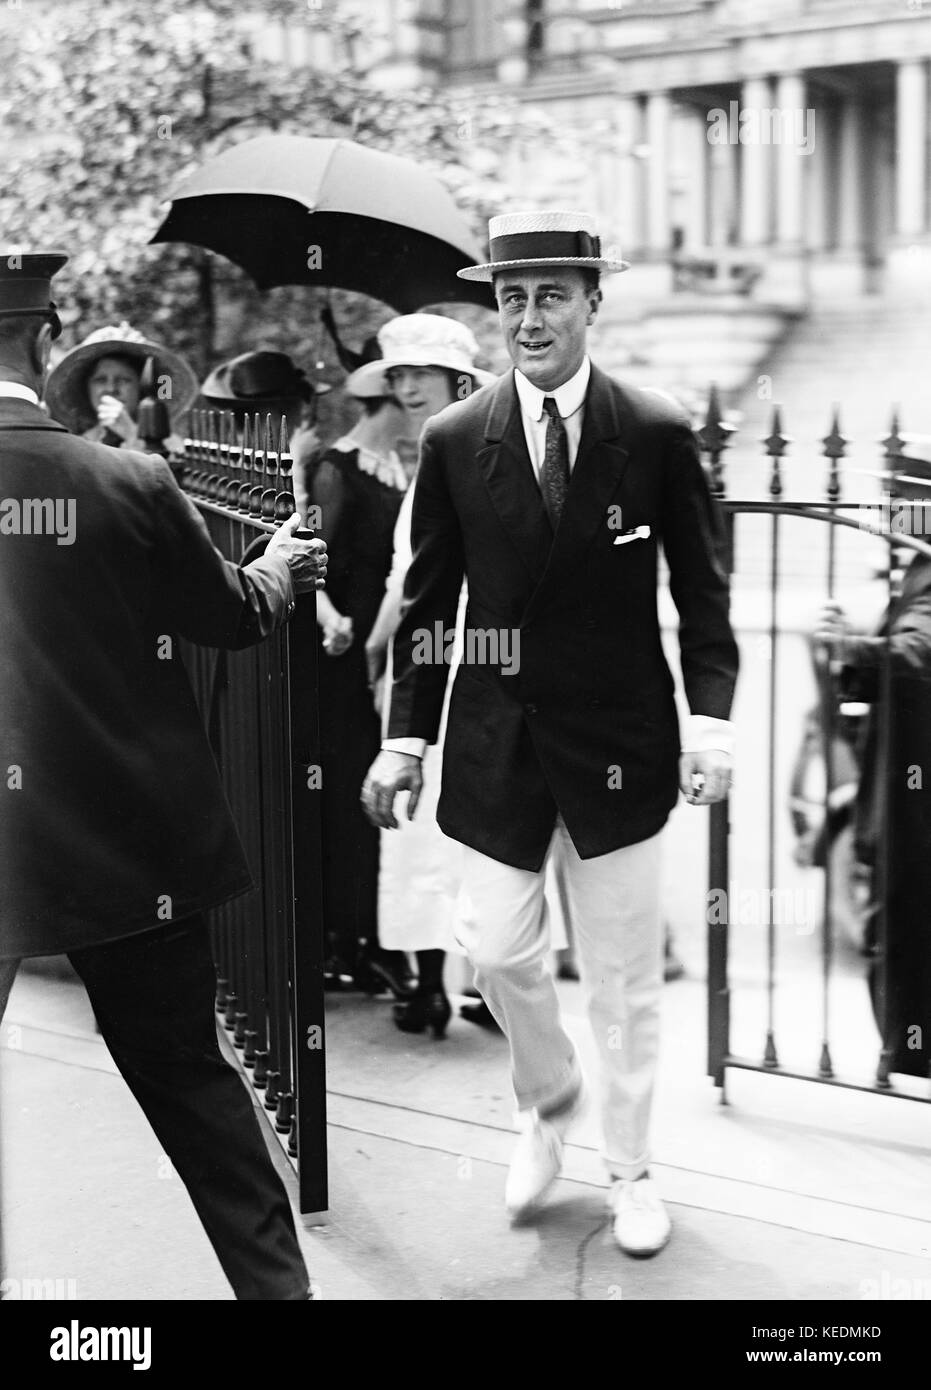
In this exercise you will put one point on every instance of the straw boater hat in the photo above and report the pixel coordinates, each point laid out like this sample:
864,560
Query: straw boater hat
66,391
419,340
523,239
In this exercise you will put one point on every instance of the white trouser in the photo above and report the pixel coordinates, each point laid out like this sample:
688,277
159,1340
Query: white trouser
615,920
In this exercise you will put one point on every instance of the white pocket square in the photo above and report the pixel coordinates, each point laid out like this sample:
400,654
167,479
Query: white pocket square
639,533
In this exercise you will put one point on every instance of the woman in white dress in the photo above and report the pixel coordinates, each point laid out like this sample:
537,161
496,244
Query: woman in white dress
428,363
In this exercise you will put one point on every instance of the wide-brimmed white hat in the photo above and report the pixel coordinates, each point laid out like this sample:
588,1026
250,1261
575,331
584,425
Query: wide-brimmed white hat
523,239
419,340
66,389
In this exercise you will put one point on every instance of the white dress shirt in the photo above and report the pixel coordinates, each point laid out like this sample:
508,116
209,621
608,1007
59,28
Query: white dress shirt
701,733
570,402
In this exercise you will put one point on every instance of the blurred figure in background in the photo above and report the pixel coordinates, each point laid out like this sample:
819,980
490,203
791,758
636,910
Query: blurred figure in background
893,802
270,382
428,363
358,483
94,390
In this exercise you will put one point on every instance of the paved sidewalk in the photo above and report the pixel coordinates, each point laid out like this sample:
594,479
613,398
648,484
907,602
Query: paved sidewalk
790,1192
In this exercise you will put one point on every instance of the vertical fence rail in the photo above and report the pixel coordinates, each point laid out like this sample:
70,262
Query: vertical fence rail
834,449
713,440
260,708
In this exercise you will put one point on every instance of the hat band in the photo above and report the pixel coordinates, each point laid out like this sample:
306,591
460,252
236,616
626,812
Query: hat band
534,246
21,296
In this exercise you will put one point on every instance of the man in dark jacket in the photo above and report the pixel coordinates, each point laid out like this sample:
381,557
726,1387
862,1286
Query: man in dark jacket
551,490
893,812
115,836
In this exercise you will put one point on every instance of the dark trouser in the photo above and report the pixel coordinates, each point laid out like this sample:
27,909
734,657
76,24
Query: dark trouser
153,995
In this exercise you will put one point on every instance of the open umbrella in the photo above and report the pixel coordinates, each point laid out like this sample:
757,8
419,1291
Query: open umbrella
298,211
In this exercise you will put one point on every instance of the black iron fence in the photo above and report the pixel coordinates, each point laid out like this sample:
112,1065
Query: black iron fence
260,709
898,472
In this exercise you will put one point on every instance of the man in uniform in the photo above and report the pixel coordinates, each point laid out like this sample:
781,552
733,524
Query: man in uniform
115,836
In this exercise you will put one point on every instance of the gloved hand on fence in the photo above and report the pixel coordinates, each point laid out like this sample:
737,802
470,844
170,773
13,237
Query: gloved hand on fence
307,559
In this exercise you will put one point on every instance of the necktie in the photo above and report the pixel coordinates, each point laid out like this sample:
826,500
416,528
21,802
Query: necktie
554,474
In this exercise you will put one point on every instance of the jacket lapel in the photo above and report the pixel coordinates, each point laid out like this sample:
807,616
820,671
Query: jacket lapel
508,475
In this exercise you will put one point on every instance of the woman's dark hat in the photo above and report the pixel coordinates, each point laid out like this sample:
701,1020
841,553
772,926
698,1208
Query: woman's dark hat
257,380
66,388
25,286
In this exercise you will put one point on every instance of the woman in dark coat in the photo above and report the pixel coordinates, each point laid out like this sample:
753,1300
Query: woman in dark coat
358,484
895,797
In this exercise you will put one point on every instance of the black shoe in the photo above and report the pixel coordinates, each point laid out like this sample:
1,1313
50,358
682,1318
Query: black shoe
379,971
422,1011
481,1014
337,977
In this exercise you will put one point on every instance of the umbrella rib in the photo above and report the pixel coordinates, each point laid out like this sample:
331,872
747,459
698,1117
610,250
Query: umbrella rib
338,140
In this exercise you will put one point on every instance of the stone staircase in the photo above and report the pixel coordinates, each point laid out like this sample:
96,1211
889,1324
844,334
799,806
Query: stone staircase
649,336
868,356
865,354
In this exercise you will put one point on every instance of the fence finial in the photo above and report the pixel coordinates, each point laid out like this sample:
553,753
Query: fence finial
776,444
284,502
242,501
270,474
835,447
713,439
893,444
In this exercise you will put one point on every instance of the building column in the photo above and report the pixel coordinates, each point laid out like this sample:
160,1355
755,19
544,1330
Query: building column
755,169
512,65
911,118
657,139
629,221
722,205
790,161
823,198
696,152
850,177
416,53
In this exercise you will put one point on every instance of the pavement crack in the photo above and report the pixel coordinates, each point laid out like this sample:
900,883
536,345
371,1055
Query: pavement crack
581,1255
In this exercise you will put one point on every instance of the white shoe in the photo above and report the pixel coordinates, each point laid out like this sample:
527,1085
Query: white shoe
537,1157
641,1226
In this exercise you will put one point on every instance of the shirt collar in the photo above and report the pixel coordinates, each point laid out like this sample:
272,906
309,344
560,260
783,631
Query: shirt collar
569,397
23,393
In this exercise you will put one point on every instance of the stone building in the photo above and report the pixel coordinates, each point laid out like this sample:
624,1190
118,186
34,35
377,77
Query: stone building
779,127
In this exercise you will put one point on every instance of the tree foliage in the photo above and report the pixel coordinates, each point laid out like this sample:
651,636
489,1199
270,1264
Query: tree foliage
107,104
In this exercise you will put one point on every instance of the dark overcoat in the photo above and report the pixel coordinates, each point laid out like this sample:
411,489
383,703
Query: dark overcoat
112,816
585,722
894,809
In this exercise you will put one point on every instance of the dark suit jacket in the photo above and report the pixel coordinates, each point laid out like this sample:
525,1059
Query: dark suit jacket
588,723
120,806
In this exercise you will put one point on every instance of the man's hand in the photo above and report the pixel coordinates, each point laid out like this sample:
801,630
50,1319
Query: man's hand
112,414
389,774
832,629
306,559
705,777
337,636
